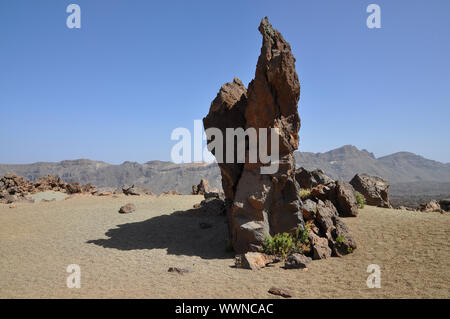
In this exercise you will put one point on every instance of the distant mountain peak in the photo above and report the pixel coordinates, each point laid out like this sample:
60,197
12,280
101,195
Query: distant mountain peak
341,163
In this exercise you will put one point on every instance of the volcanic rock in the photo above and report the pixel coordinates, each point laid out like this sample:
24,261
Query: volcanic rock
73,188
346,199
280,292
13,184
374,189
309,210
296,261
344,243
325,192
432,206
89,188
50,182
202,188
445,204
309,179
320,247
257,203
7,199
253,260
325,218
127,209
131,190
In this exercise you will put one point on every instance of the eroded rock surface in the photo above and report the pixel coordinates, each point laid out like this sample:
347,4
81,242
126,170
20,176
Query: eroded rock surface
260,204
374,189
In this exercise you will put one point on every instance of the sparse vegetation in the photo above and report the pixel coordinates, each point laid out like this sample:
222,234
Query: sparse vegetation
340,240
284,244
279,245
304,193
360,199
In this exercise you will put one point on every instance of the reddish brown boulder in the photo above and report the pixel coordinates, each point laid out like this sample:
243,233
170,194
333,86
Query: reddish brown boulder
49,183
16,185
325,216
127,209
309,179
227,111
73,188
253,260
432,206
202,188
324,192
297,261
344,243
280,292
374,189
7,199
91,189
260,204
445,204
309,210
346,199
320,247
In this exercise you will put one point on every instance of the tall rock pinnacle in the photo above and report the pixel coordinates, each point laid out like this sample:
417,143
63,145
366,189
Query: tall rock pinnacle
260,205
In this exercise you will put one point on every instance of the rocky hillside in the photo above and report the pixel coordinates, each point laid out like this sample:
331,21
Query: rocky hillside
159,176
408,173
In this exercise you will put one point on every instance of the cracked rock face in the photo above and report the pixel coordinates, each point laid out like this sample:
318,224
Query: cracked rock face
260,204
374,189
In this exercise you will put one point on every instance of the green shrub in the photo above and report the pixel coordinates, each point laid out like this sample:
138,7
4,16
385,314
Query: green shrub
284,244
279,245
304,193
360,199
340,240
302,234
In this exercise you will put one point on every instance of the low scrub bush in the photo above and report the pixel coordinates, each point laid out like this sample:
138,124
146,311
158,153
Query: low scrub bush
284,244
304,193
360,199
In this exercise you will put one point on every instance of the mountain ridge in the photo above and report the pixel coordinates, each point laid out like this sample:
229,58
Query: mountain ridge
340,163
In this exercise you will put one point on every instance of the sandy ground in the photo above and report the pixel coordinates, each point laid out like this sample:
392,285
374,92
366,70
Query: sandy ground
127,256
49,195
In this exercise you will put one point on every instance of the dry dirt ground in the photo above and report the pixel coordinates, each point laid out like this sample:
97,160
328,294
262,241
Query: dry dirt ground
127,256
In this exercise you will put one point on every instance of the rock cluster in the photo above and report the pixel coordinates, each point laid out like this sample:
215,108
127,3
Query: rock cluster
213,203
445,204
260,204
432,206
323,207
310,179
253,260
285,293
203,188
374,189
16,188
136,190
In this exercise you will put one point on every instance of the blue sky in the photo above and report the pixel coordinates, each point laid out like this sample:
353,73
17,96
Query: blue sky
116,88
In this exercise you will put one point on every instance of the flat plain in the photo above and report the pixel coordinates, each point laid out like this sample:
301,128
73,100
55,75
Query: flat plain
128,256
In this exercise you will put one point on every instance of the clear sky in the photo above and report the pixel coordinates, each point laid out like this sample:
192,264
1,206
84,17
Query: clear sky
116,88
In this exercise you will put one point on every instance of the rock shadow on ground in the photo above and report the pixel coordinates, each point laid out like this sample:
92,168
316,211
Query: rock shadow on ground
180,233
